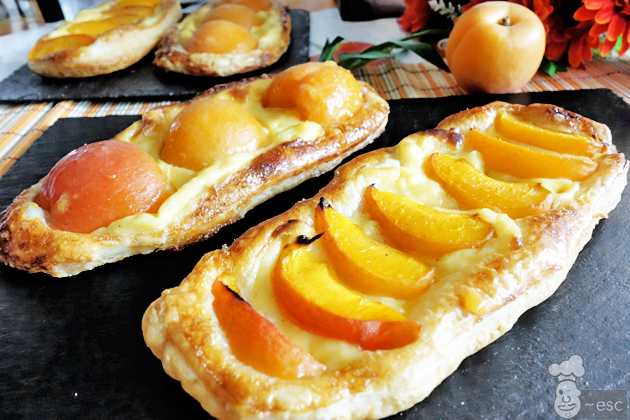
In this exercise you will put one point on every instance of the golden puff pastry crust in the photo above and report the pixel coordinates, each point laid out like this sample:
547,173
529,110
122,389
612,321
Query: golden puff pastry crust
519,268
113,50
273,38
205,201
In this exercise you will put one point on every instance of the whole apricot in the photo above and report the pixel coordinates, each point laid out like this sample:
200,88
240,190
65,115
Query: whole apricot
102,182
495,47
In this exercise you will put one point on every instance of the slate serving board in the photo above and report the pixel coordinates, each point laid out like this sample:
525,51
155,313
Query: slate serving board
73,348
144,80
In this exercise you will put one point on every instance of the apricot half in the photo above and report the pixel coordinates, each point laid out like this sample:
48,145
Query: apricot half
306,292
423,230
474,190
257,342
235,13
102,182
53,45
365,264
210,129
322,92
255,5
522,162
144,3
281,92
509,126
221,37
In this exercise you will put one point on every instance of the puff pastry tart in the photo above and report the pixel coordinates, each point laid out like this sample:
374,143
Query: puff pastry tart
185,170
104,39
358,302
227,37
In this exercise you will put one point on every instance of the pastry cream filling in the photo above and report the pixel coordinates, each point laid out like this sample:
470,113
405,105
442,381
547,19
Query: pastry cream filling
404,175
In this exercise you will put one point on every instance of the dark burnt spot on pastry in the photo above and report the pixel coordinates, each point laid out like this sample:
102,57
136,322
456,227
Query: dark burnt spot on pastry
450,137
305,240
324,204
283,228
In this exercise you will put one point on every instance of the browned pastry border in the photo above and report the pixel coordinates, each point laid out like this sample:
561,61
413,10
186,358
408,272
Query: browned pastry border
30,244
182,330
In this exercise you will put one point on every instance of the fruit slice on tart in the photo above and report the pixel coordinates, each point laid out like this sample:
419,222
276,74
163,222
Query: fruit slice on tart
256,341
419,229
511,127
365,264
474,190
523,162
53,45
306,292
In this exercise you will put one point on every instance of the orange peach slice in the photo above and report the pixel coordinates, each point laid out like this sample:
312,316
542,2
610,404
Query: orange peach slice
144,3
307,294
419,229
474,190
509,126
91,27
53,45
221,37
257,342
365,264
120,20
522,162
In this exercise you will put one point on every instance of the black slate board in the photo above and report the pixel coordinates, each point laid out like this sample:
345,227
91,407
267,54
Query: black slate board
73,348
144,80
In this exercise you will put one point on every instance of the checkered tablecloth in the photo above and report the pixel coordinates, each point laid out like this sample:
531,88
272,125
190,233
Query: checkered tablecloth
21,125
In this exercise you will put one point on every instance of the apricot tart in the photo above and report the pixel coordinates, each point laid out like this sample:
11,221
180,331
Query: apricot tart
185,170
226,37
376,289
104,39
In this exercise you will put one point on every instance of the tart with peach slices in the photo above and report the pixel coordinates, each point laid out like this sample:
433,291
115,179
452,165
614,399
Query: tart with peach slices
104,39
186,170
226,37
410,260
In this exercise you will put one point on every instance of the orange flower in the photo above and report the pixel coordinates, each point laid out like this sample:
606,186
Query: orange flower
610,17
415,16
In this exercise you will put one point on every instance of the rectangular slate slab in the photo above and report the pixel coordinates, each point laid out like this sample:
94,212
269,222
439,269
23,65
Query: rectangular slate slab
73,348
144,80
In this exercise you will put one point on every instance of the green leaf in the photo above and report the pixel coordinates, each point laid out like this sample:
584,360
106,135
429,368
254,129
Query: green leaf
389,49
552,67
329,49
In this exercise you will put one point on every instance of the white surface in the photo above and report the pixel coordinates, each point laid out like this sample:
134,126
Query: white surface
325,24
14,48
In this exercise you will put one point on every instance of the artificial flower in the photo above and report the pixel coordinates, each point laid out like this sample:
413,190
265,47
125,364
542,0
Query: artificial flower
416,16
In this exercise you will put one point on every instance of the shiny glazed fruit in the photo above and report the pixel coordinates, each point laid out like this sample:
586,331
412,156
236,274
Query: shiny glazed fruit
235,13
328,95
51,46
281,92
120,20
522,162
210,129
100,183
306,292
91,27
366,265
221,37
423,230
474,190
257,342
255,5
512,128
495,47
